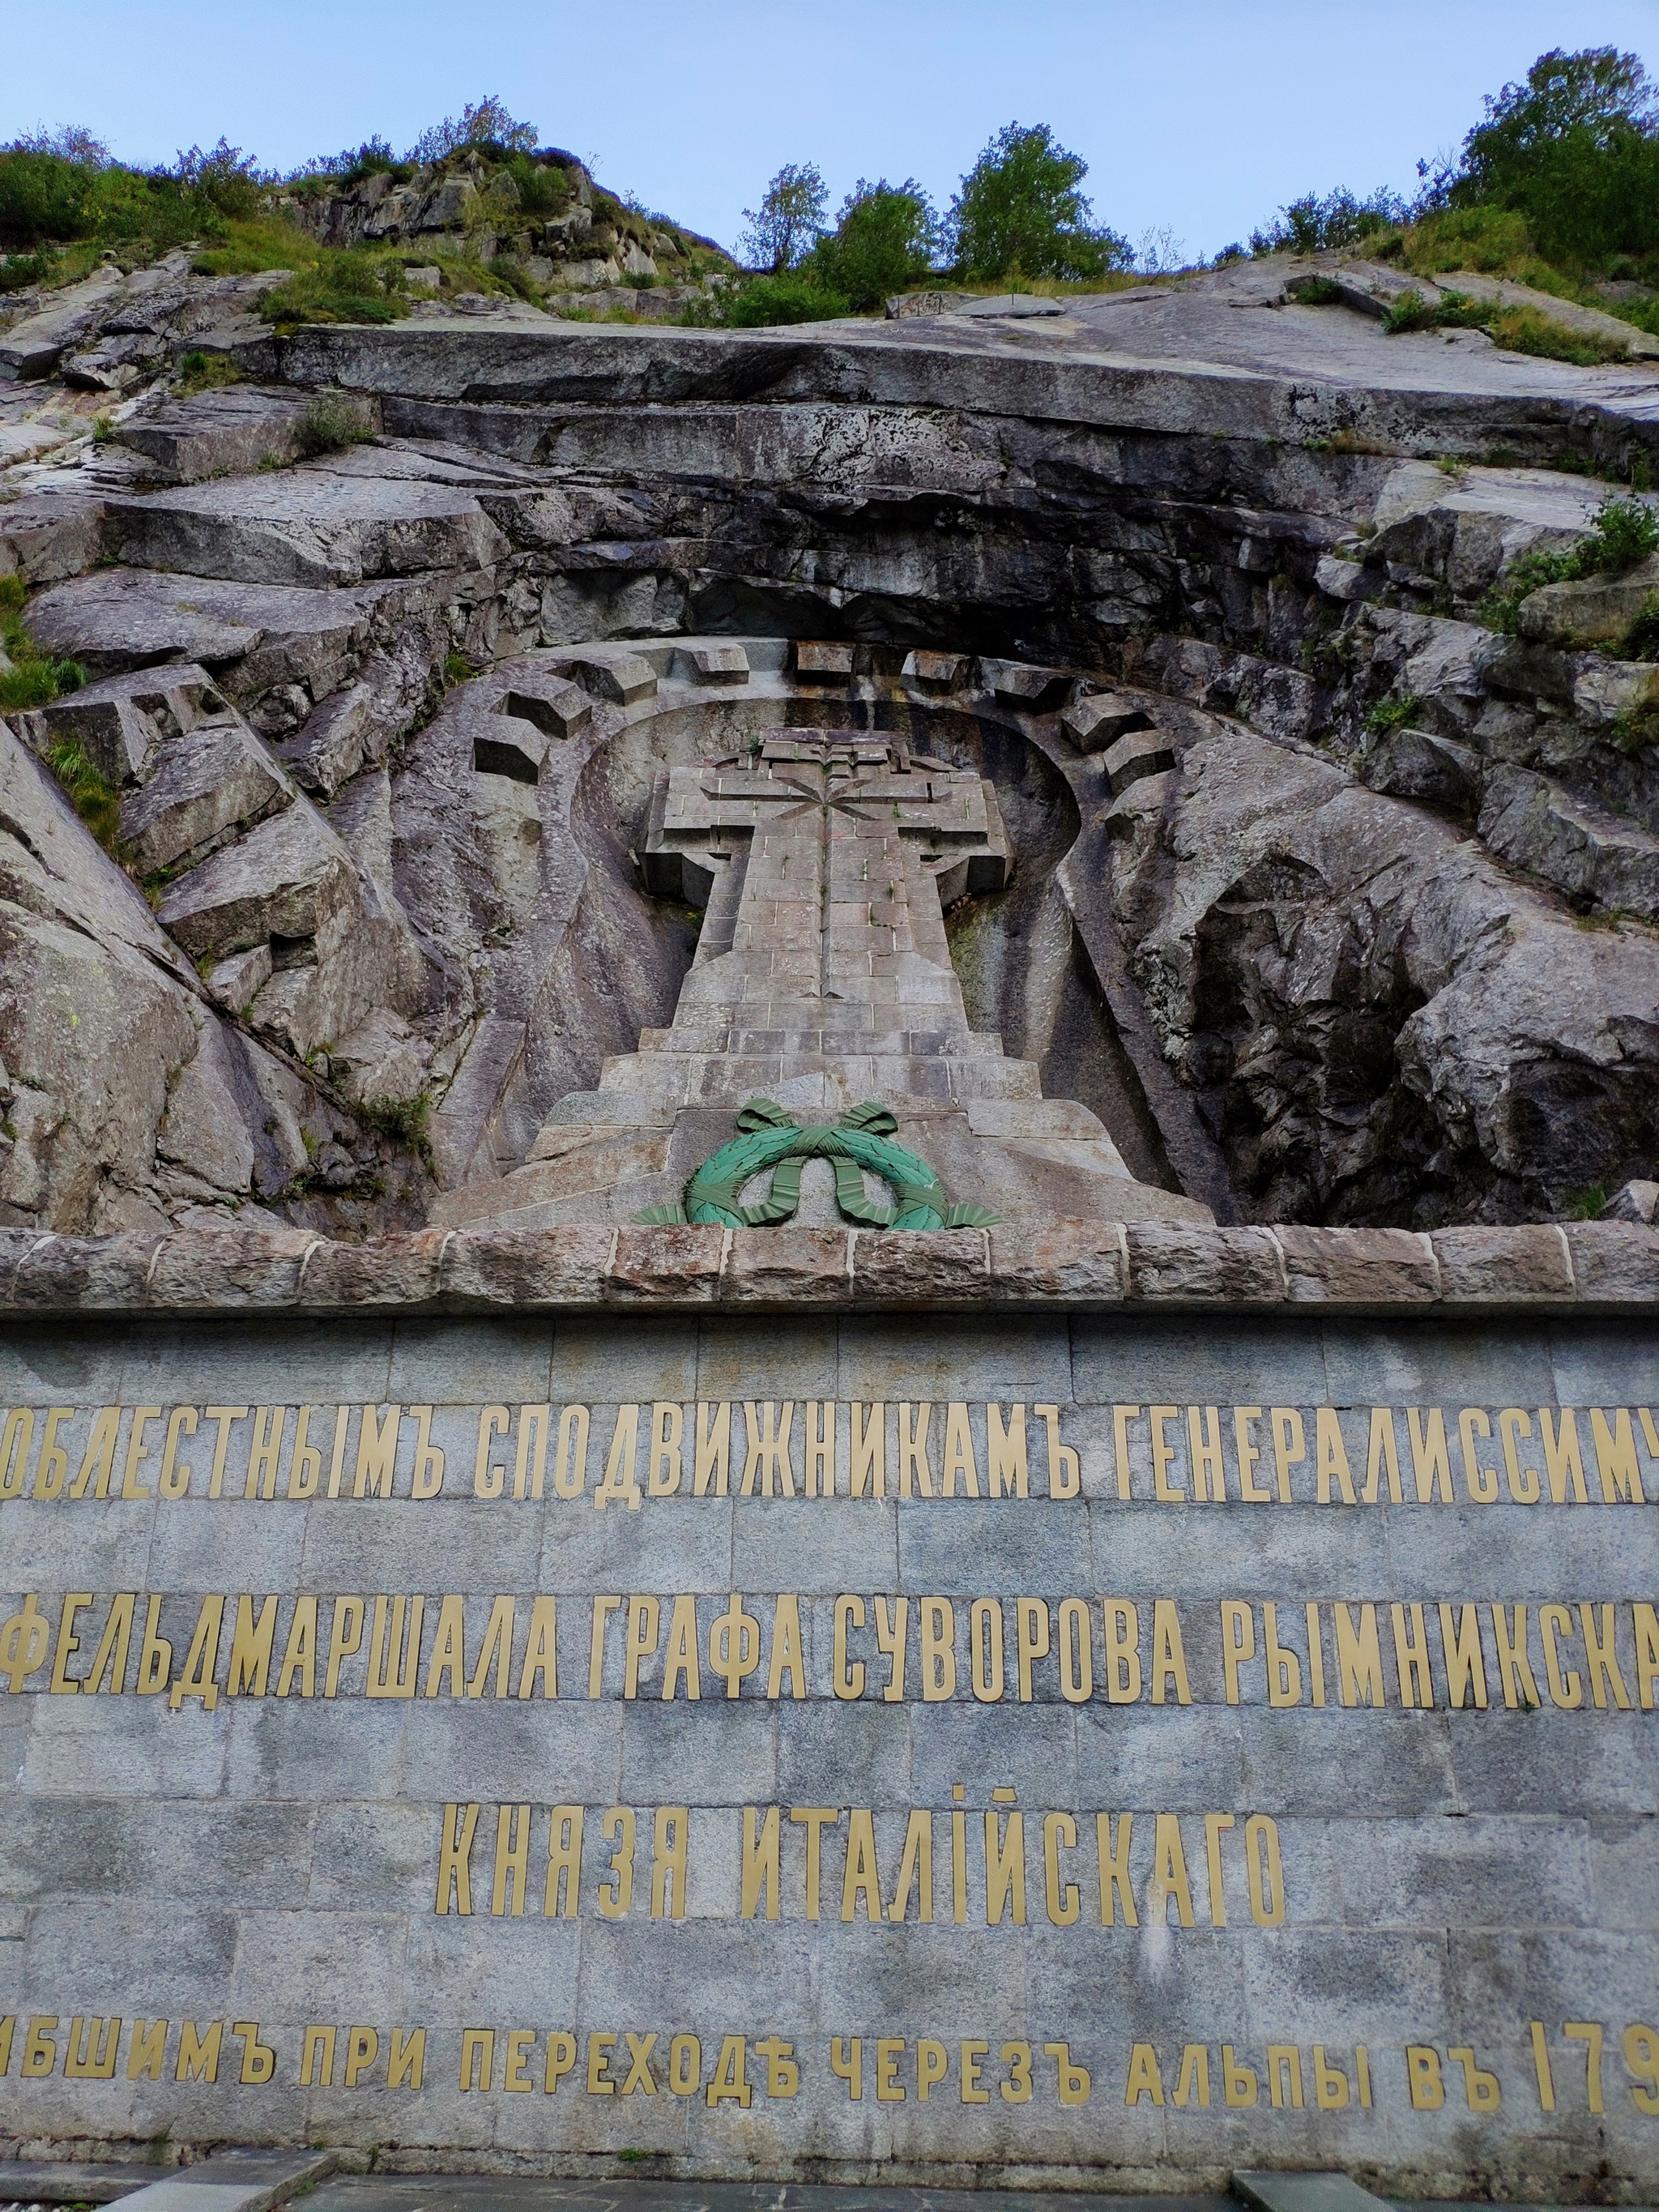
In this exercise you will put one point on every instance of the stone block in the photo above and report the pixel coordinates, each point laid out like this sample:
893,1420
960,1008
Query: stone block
937,671
1503,1265
121,722
824,663
230,431
1406,763
674,1266
1133,759
1237,1265
1304,2192
15,1245
514,749
1434,1361
736,1359
44,540
1639,1201
1099,722
787,1266
1358,1267
86,1274
69,2182
217,1270
382,1271
705,1753
930,1267
721,664
237,2182
624,678
334,743
31,348
311,527
1083,1259
563,710
1601,608
1614,1260
1032,690
527,1267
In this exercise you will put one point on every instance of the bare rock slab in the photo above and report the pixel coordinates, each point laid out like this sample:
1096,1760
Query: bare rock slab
306,526
285,879
207,782
229,431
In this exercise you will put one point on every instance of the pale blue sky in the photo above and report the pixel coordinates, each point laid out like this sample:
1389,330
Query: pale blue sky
1199,115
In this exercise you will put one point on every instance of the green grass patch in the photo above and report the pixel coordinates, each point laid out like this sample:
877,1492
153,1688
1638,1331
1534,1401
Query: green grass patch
1624,533
35,678
406,1120
342,287
1495,242
1413,311
253,244
205,372
1636,732
510,275
1641,641
96,802
19,270
766,301
1392,713
1527,330
328,424
329,283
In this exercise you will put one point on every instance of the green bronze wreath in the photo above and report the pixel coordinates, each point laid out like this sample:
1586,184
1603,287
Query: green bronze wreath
775,1139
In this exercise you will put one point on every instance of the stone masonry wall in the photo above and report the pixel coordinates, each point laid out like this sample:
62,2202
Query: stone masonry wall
703,1730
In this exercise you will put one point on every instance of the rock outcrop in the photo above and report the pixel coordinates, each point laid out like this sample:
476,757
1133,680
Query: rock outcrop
549,221
1331,902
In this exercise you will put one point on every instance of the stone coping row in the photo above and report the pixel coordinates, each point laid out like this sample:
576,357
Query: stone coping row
1059,1267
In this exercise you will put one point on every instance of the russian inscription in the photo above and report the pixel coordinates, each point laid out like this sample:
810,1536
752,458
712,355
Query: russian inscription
968,1722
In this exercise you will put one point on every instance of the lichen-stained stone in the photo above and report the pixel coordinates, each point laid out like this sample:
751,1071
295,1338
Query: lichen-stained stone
381,1271
1614,1260
679,1266
527,1267
89,1273
787,1266
33,346
945,1267
716,663
1171,1261
1390,1265
230,431
209,1269
204,783
1064,1259
1503,1265
1030,690
122,722
625,678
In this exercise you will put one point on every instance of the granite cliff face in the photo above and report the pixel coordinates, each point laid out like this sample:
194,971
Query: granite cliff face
1331,901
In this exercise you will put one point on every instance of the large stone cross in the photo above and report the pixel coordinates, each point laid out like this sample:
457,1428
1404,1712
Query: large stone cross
825,860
